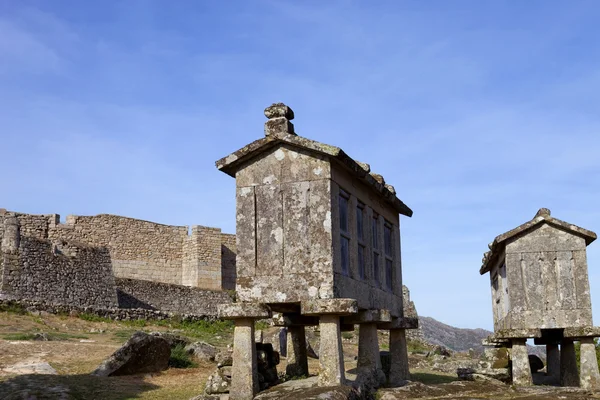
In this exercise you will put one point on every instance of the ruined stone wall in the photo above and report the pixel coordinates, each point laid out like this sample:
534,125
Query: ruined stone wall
138,249
228,254
145,250
59,273
178,299
410,311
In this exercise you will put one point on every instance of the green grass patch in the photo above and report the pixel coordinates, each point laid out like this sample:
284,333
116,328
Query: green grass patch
13,308
180,358
417,347
347,335
261,325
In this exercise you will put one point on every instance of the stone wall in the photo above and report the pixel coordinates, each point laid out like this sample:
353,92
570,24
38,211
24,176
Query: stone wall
410,311
61,273
138,249
169,298
145,250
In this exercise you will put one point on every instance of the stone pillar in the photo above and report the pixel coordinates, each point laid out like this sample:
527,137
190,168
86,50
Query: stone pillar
521,370
297,356
244,372
331,356
590,377
399,372
369,360
553,361
569,374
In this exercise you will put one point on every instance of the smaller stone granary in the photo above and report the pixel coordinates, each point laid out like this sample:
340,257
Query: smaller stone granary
318,240
540,290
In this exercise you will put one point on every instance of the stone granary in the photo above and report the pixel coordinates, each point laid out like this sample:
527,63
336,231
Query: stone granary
540,290
318,239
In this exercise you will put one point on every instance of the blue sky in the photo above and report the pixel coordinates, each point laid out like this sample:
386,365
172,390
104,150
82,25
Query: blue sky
479,113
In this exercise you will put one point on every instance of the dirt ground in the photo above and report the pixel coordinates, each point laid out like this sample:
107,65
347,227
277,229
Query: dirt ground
84,346
78,346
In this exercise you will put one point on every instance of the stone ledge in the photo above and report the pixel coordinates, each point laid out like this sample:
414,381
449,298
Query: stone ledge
369,316
244,310
580,332
515,334
329,306
400,323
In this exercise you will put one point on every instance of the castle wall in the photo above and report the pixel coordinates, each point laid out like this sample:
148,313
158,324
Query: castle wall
145,250
62,273
169,298
138,249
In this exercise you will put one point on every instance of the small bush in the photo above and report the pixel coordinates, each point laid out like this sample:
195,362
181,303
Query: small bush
180,358
13,308
347,335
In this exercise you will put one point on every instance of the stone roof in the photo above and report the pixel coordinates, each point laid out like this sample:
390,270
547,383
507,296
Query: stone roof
279,129
542,216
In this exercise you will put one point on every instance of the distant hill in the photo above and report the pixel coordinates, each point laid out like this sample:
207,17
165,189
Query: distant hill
460,339
457,339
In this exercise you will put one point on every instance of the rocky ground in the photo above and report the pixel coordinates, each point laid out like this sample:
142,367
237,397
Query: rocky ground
52,357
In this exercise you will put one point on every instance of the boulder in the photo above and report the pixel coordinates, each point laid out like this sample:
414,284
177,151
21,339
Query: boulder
140,354
202,351
535,363
219,381
172,339
484,374
224,358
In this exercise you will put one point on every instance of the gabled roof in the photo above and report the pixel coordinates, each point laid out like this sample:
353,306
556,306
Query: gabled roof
542,216
279,130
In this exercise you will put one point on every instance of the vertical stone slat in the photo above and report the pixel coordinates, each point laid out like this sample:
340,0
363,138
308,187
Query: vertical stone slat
246,231
296,227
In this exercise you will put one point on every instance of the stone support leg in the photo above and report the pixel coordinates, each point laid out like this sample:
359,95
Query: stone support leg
553,361
521,371
331,357
399,372
569,374
244,372
590,377
297,357
369,360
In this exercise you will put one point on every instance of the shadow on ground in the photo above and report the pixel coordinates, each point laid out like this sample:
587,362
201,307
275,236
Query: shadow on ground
38,387
432,379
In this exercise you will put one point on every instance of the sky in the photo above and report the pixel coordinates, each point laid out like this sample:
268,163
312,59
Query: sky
479,113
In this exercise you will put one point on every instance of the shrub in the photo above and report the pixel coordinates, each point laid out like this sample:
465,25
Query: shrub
180,358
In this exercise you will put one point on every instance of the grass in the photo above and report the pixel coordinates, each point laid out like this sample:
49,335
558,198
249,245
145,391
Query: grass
13,308
417,347
347,335
180,358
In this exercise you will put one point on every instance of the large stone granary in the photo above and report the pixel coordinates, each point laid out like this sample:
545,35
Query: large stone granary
318,240
540,290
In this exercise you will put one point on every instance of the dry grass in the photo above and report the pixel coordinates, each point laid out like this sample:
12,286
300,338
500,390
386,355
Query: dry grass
74,361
